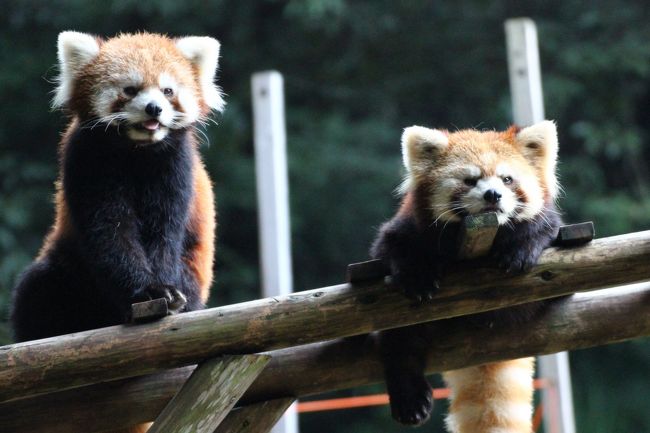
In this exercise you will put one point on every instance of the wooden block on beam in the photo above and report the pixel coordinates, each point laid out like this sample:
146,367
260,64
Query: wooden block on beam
365,271
255,418
208,395
576,234
149,310
476,235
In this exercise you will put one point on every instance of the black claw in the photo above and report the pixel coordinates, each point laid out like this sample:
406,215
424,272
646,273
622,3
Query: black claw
411,403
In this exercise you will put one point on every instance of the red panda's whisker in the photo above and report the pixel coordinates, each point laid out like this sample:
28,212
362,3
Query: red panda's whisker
453,209
204,136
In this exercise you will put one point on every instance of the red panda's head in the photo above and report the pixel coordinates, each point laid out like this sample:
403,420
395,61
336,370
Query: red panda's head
466,172
144,83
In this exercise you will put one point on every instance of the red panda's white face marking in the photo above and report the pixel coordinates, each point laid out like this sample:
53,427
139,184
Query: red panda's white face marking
467,172
143,84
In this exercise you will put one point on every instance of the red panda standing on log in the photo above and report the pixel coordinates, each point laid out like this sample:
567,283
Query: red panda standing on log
449,176
135,217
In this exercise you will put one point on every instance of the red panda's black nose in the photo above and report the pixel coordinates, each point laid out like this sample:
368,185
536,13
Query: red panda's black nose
492,196
153,109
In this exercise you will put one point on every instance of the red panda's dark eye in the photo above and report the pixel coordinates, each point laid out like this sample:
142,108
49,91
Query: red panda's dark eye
130,91
470,181
169,92
507,180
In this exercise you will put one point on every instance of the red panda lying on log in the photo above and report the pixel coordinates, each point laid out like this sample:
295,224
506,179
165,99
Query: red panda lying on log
449,176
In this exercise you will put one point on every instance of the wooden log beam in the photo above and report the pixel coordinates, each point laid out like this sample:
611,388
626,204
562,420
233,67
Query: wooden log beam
79,359
208,395
256,417
575,322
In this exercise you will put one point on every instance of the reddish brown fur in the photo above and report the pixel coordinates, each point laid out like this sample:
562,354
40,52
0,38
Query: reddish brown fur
483,149
203,223
150,54
497,392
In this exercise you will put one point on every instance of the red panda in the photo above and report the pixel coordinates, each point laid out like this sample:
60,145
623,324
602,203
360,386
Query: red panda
449,176
135,216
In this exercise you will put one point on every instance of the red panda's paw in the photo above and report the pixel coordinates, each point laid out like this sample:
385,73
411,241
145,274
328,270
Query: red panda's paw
411,400
419,288
175,299
517,261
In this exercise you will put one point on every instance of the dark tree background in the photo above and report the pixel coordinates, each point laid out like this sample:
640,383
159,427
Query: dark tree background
356,73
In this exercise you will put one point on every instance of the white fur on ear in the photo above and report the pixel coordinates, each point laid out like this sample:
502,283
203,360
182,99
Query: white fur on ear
203,51
419,142
75,50
539,144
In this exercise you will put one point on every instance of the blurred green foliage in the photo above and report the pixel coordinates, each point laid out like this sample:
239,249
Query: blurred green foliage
356,73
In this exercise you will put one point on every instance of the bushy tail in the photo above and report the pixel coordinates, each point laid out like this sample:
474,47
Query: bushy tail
492,398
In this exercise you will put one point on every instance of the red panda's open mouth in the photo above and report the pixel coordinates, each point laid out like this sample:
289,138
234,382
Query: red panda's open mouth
151,125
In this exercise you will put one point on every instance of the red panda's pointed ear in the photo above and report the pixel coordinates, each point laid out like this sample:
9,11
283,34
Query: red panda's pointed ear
75,50
420,145
203,52
539,144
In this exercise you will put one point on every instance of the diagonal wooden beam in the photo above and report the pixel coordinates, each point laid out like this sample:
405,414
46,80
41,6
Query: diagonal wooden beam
208,395
256,417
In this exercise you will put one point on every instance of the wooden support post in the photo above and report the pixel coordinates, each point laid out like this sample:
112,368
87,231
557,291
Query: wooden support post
524,71
208,395
272,176
527,109
256,417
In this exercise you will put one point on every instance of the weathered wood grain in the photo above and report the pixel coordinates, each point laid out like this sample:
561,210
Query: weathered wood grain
255,418
477,235
79,359
149,310
575,322
208,395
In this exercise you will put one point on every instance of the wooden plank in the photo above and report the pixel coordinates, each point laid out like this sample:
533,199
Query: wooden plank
576,234
477,234
209,394
149,310
255,418
366,271
575,322
475,238
82,358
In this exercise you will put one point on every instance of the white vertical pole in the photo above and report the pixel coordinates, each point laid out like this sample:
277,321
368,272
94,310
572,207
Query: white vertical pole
273,197
528,108
524,72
